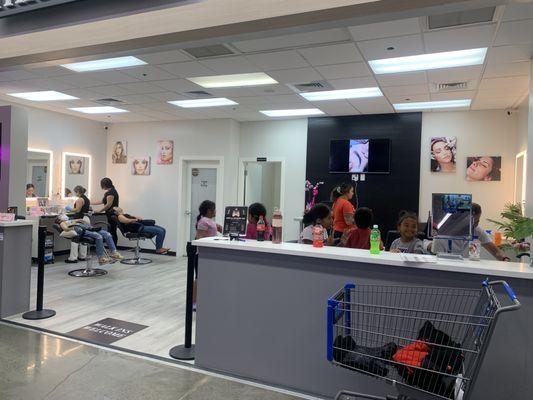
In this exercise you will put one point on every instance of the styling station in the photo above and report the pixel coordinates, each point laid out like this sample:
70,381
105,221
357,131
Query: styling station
262,313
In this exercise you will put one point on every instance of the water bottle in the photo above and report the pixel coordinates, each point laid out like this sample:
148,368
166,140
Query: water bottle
318,236
261,227
375,240
489,234
277,226
474,249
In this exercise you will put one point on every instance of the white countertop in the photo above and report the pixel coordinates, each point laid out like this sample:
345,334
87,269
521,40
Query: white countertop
484,267
20,222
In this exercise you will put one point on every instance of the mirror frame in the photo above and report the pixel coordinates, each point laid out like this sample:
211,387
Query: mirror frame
63,173
50,170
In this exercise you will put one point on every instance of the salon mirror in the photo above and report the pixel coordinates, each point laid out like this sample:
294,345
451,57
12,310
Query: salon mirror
39,173
76,170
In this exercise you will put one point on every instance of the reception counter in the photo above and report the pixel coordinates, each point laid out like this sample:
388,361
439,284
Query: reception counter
261,313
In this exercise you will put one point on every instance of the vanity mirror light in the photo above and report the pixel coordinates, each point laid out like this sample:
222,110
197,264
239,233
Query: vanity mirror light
75,170
39,173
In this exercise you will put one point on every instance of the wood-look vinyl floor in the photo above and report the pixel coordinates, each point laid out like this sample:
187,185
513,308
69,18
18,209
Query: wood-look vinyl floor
152,295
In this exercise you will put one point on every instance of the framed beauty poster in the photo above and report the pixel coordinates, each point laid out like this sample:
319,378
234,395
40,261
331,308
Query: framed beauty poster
119,154
165,152
443,151
75,165
140,165
484,168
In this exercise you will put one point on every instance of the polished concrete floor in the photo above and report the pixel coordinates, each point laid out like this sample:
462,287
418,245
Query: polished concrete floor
35,366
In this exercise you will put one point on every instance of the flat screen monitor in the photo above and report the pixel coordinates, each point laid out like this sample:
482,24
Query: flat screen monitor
359,156
451,215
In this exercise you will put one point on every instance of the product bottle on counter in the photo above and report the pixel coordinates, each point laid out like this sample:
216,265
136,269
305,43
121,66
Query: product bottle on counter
489,234
277,226
261,227
474,249
375,240
318,236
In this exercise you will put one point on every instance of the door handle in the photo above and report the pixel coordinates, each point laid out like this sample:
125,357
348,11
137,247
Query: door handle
188,212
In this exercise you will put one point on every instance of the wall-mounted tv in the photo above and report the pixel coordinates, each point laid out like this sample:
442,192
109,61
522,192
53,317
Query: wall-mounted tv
359,156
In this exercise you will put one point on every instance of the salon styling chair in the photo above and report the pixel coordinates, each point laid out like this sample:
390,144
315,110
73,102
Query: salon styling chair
136,237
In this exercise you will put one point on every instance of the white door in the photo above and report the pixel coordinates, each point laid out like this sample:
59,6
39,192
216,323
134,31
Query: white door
202,186
262,184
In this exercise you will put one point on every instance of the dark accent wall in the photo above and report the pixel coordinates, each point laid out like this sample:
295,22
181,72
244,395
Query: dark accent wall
387,194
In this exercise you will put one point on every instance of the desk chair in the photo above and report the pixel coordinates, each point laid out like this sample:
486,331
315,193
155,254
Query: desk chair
137,237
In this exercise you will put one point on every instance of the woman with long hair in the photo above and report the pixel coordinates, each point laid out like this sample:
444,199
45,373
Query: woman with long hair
343,210
443,154
119,153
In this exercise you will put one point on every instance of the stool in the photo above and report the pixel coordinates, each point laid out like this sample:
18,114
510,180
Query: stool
137,259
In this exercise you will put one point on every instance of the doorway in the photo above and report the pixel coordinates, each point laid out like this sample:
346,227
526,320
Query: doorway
520,180
200,179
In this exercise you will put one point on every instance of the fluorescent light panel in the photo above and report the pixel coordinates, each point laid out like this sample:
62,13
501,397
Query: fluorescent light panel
433,105
214,102
107,63
448,59
234,80
343,94
99,110
292,113
45,95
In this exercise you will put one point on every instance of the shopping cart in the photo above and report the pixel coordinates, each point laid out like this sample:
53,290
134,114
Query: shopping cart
427,342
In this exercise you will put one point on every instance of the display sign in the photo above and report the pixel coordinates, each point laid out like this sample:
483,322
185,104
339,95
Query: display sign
235,218
11,7
107,331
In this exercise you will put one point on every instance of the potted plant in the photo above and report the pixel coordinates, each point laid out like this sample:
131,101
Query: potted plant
516,227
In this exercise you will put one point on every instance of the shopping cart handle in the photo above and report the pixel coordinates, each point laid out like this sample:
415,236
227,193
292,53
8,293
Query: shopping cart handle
509,290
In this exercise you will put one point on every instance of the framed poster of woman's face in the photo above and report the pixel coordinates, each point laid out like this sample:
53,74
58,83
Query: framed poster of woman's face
443,154
165,152
141,165
483,168
75,165
119,154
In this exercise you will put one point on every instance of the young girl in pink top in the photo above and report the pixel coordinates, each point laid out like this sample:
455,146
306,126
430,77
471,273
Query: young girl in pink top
205,224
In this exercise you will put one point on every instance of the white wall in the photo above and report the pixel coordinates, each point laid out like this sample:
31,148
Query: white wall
156,196
281,139
521,126
491,133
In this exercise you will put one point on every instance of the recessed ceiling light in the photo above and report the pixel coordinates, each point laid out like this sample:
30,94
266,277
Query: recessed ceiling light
448,59
342,94
433,105
215,102
99,110
234,80
45,95
106,63
292,113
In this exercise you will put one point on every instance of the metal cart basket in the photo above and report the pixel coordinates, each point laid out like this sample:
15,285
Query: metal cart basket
428,342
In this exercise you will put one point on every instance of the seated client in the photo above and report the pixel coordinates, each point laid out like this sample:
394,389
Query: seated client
83,229
138,225
255,211
359,237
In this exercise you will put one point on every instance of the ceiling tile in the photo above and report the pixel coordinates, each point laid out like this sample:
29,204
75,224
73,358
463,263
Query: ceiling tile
405,90
111,77
271,90
372,106
295,40
459,38
177,85
505,83
286,99
187,69
164,57
509,69
413,98
455,95
230,65
518,11
160,116
296,75
140,88
48,72
336,107
339,71
493,103
353,83
136,99
401,46
16,75
509,54
498,93
231,92
278,60
47,84
111,90
455,74
79,80
250,101
380,30
167,96
148,73
407,78
83,93
17,86
516,32
332,54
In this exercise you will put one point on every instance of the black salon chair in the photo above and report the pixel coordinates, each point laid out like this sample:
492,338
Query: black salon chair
137,237
88,271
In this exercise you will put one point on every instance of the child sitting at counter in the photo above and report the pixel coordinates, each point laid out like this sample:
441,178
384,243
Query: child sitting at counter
320,214
359,237
408,242
255,211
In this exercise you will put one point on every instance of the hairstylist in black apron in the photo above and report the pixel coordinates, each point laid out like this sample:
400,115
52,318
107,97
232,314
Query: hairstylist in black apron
109,201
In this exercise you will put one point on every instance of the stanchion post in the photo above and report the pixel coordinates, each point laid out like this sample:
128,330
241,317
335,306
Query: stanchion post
186,350
39,312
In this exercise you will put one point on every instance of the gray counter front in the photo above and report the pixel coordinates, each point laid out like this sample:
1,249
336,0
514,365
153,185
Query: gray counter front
262,315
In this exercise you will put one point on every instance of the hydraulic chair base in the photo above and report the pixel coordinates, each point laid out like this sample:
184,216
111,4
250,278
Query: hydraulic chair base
137,259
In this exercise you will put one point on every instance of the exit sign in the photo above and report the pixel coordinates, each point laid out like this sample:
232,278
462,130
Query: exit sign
11,7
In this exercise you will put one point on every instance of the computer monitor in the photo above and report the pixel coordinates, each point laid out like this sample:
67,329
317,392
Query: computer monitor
451,216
